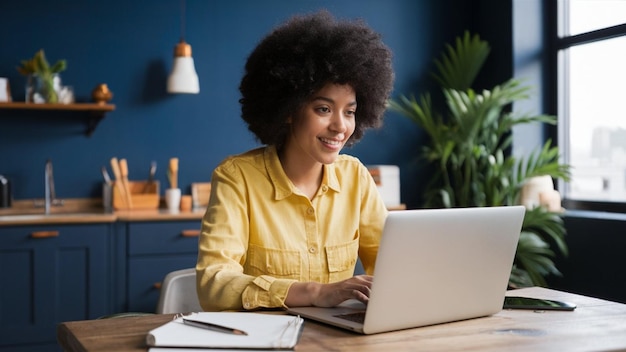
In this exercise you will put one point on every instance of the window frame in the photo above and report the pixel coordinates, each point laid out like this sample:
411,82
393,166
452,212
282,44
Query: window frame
555,86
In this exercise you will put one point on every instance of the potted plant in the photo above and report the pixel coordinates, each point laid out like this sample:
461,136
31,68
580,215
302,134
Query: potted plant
43,79
469,150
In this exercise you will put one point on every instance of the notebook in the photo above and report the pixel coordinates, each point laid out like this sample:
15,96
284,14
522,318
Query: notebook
255,331
434,266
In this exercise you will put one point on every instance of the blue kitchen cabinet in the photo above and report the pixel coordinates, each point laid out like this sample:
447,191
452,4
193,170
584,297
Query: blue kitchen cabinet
155,249
51,274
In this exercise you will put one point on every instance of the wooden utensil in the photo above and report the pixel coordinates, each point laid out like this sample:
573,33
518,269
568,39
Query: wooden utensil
173,172
115,166
124,175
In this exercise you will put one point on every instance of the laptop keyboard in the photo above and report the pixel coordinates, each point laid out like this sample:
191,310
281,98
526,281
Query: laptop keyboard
357,317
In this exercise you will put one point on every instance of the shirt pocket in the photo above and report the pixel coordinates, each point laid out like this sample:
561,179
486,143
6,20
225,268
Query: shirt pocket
342,260
279,263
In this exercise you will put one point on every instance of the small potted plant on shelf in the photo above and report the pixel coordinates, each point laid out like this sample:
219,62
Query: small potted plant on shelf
469,150
44,82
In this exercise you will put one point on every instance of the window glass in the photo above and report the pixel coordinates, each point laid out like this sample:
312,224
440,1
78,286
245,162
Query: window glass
592,117
590,15
596,109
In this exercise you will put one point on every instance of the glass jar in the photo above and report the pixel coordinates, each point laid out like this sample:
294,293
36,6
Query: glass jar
43,89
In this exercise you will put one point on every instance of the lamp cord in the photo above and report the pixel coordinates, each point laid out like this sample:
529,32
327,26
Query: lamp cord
182,20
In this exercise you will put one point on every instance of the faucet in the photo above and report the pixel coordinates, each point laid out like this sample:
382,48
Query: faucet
50,198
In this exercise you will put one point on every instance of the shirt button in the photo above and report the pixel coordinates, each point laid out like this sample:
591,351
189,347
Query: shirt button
310,211
246,305
312,249
324,188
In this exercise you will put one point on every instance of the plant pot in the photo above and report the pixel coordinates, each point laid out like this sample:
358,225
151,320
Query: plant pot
43,89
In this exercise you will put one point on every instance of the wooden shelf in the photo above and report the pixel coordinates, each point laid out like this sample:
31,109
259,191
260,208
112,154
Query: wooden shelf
94,112
68,107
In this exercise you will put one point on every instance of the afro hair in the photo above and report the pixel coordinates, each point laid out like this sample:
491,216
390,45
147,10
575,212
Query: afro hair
300,57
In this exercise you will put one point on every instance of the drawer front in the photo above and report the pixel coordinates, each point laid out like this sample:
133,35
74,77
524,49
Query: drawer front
145,276
27,235
163,237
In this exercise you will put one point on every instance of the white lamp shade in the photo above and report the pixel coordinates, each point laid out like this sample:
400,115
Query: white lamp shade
183,78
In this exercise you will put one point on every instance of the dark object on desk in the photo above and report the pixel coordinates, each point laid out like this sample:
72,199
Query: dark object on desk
513,302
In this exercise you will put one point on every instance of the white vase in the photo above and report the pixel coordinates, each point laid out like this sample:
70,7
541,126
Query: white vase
533,188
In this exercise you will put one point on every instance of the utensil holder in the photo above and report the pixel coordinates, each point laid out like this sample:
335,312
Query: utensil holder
143,194
172,199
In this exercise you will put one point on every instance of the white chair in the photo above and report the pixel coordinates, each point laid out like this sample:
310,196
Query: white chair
178,293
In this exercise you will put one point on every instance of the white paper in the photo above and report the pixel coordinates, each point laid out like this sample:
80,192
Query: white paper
265,331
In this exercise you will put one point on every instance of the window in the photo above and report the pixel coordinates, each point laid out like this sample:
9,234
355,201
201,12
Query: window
591,68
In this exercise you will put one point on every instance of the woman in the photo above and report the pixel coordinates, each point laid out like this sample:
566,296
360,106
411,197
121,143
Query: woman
286,222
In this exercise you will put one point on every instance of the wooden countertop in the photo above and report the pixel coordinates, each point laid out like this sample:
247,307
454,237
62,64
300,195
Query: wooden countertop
88,210
81,211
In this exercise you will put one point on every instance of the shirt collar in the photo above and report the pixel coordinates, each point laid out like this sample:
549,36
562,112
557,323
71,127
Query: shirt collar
330,178
282,185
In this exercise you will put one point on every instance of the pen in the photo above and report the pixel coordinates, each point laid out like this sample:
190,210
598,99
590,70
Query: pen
213,327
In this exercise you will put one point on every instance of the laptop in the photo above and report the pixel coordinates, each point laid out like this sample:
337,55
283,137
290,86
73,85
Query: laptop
434,266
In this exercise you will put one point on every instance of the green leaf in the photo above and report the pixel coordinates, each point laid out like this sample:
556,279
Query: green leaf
59,66
459,65
38,65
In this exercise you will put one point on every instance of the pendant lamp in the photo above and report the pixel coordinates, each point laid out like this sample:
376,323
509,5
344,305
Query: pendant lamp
183,78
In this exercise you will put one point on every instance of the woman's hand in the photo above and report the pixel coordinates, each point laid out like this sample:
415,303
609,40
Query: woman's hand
329,295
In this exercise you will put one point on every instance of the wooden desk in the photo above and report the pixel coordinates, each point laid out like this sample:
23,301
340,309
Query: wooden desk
595,325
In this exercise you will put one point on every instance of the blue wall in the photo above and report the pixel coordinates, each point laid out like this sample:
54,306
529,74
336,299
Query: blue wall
128,45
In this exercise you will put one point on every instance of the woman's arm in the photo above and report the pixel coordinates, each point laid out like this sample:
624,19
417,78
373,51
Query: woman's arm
223,245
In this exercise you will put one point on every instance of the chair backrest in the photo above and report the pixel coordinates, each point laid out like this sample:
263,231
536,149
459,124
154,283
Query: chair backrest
178,293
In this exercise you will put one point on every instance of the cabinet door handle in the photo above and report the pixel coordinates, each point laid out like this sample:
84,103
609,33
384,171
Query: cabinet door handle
44,234
190,233
157,285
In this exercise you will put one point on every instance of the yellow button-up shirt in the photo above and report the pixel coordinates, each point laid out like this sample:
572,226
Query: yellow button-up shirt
260,234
